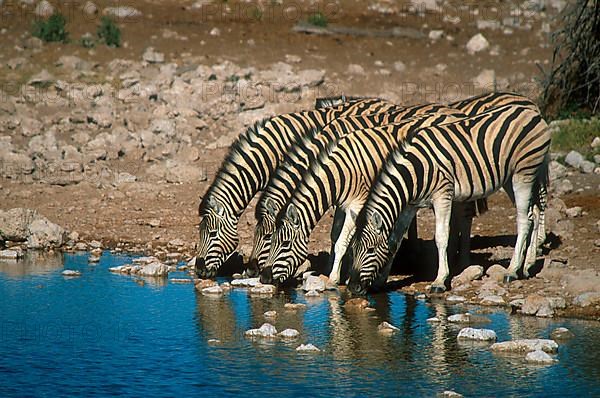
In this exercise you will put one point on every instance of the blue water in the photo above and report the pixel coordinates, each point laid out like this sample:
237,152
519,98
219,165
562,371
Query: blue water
104,334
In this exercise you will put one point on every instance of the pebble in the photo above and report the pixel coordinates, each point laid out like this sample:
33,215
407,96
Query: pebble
561,333
214,341
289,334
307,348
460,318
270,314
526,345
265,331
477,334
312,282
248,282
213,290
574,212
70,272
434,319
492,300
455,299
263,290
449,394
477,43
181,280
387,328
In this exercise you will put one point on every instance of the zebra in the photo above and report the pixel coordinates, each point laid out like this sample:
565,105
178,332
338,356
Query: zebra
505,148
340,176
247,168
289,174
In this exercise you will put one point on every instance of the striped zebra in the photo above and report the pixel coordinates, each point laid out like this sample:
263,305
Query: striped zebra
289,174
341,176
463,161
246,170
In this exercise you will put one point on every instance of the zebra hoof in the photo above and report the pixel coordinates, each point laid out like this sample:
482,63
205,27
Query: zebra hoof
509,278
437,289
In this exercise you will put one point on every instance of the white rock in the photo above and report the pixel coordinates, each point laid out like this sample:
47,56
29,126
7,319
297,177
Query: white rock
574,159
539,356
265,331
460,318
90,8
263,289
270,314
44,77
214,341
122,12
573,212
469,274
307,348
121,269
595,142
154,269
455,299
486,79
477,334
436,34
44,234
70,272
312,293
563,187
434,319
44,9
526,345
587,299
216,289
247,282
556,170
312,282
399,66
11,254
215,32
449,394
152,56
492,300
289,334
587,167
477,43
387,328
561,333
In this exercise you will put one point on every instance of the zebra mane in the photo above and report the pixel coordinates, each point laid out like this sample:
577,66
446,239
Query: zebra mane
329,102
240,145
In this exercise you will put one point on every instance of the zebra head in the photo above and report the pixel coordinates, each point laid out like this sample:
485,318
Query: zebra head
368,253
263,234
218,238
289,247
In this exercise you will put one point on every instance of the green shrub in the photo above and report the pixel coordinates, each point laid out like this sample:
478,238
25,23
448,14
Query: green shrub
318,19
577,134
109,32
52,29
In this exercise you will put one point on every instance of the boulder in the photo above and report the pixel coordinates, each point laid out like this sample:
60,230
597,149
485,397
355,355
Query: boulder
561,333
455,299
469,274
44,9
14,224
154,269
265,331
477,334
263,290
449,394
556,170
563,187
460,318
288,334
71,273
247,282
587,299
540,357
213,290
44,234
537,305
312,282
526,345
11,254
492,300
496,272
574,159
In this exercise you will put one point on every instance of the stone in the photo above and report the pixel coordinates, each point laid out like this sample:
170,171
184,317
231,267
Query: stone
595,143
399,66
288,334
556,170
312,282
387,328
587,299
358,303
469,274
70,272
540,357
93,259
247,282
154,269
214,341
434,319
573,212
204,283
270,314
563,187
561,333
308,348
455,299
449,394
574,159
121,269
44,234
477,334
42,78
152,56
265,331
460,318
486,80
587,167
294,306
89,8
215,32
180,280
496,272
526,345
44,9
355,69
11,254
312,293
14,224
213,290
477,43
122,12
492,300
263,289
535,304
436,34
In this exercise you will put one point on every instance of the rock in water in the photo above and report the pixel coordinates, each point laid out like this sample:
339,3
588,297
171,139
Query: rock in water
539,356
294,306
307,348
526,345
387,328
289,334
477,334
265,331
263,290
312,282
248,282
449,394
70,272
44,234
11,254
460,318
455,299
561,334
154,269
213,290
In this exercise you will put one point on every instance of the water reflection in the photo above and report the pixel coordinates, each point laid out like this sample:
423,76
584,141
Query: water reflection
33,263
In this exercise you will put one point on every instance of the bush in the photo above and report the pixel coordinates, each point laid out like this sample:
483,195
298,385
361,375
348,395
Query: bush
109,32
318,19
52,29
577,134
573,82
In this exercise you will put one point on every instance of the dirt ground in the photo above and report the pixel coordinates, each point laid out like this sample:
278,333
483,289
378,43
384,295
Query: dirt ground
148,214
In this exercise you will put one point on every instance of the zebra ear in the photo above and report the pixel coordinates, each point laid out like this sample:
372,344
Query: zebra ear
216,206
353,215
376,221
270,206
292,214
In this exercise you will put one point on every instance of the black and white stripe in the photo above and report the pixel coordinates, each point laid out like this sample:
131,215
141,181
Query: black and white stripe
247,169
463,161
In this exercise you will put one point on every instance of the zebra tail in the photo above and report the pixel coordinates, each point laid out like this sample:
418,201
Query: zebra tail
481,206
542,182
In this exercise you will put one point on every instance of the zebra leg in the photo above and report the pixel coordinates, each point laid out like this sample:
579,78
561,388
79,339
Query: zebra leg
442,206
464,227
522,191
532,244
541,232
339,218
340,246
